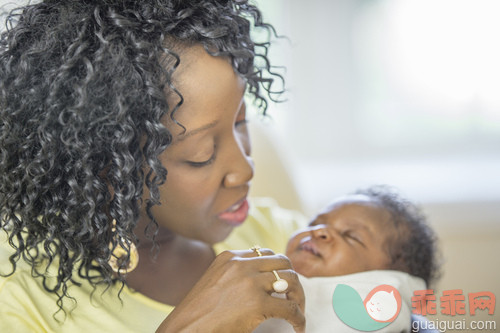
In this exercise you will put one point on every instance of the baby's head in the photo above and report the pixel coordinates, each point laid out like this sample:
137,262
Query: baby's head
373,229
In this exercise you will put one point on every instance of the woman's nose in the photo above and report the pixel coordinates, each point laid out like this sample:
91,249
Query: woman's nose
241,168
242,172
320,232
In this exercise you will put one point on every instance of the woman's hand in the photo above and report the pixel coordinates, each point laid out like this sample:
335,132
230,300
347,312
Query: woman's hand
234,295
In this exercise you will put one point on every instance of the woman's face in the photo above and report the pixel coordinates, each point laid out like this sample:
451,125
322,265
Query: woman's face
349,236
209,165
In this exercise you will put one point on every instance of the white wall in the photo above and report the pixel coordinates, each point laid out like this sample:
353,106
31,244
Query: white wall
391,91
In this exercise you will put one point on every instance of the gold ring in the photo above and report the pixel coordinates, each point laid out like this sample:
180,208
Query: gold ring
280,285
256,249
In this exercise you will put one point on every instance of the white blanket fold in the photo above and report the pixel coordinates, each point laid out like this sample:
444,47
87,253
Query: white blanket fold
321,316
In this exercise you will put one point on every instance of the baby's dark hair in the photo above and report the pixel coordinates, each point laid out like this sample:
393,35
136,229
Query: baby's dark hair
83,87
414,248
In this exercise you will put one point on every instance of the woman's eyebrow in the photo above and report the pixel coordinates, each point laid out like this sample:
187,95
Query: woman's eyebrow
185,135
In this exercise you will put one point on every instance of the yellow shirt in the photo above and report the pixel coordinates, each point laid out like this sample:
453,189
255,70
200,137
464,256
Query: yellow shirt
25,306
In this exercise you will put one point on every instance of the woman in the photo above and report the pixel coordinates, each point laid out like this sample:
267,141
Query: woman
123,137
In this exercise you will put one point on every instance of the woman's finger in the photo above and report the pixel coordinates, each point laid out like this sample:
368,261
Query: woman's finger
289,310
253,252
294,294
265,263
294,291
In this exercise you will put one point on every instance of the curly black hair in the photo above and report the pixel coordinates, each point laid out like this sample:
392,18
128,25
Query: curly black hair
82,94
414,248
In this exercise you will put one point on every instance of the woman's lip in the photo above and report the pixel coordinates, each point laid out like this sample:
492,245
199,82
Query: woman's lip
236,214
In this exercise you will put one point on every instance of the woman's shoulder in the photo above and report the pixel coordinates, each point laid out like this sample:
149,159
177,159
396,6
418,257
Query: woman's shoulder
267,225
26,305
20,295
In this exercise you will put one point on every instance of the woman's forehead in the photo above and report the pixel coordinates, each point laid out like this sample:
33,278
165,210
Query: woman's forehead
208,85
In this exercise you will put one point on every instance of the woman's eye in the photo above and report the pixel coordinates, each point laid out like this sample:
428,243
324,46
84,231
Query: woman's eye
202,163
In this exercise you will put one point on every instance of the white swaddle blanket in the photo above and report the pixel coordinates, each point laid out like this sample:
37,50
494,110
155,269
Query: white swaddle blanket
320,315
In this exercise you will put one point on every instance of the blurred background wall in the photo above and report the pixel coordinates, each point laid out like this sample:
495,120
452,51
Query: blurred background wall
398,92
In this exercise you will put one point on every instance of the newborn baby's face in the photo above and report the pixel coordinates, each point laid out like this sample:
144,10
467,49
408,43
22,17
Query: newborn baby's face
349,236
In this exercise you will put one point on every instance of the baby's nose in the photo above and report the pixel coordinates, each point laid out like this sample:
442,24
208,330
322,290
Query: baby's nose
320,232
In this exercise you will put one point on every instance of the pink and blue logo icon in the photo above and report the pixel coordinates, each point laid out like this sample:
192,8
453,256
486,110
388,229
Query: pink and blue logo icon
379,308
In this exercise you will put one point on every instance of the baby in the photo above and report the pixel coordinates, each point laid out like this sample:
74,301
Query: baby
372,229
363,240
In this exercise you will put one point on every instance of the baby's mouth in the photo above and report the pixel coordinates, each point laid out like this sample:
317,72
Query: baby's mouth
310,247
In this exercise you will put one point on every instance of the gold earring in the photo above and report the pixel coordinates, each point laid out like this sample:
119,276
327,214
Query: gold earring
120,255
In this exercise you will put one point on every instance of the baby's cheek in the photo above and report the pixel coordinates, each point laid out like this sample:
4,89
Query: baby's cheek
288,251
296,260
293,244
304,265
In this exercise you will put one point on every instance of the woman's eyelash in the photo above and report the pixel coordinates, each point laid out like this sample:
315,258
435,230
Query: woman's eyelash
202,164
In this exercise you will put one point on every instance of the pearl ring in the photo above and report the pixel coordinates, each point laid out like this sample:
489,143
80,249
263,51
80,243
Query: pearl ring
280,285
